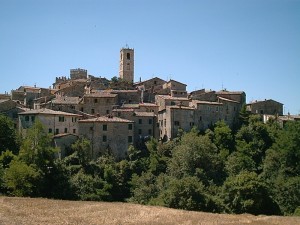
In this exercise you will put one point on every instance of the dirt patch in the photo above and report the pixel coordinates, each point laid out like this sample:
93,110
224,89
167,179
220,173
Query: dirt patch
45,211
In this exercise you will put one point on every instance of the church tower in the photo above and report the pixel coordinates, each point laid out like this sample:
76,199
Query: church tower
126,71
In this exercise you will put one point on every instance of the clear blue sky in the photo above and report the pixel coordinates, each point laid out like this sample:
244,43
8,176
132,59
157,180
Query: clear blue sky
249,45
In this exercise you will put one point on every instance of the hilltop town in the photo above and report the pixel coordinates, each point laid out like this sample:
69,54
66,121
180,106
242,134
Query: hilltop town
114,114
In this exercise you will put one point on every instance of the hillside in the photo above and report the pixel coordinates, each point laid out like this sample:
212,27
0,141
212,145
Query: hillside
45,211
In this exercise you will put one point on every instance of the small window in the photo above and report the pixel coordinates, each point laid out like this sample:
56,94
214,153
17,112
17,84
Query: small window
140,131
165,122
66,130
26,118
200,118
61,119
261,111
150,132
150,121
130,126
140,121
32,118
176,123
104,127
91,128
92,111
155,82
104,138
57,131
128,56
129,139
81,109
74,131
107,111
50,130
95,100
192,124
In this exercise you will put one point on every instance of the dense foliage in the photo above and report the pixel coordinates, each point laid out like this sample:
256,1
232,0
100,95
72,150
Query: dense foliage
255,169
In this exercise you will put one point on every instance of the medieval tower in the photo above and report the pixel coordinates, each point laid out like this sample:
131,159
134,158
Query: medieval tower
126,71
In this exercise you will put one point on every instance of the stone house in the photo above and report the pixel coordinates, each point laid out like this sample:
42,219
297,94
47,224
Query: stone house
55,122
174,85
207,113
26,95
64,142
108,133
127,96
269,107
173,118
99,103
166,100
11,109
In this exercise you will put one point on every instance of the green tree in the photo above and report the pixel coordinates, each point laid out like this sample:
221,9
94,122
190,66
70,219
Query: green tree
8,135
196,156
246,193
21,179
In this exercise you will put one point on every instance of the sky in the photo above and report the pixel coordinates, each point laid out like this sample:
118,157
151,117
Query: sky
240,45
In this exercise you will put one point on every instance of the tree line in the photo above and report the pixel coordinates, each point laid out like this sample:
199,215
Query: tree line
252,169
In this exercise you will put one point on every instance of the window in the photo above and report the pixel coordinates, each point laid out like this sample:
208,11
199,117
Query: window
192,124
74,131
61,119
50,130
140,131
107,111
104,127
200,118
155,82
261,111
176,123
92,111
95,100
81,109
129,139
26,118
150,132
130,126
66,130
91,128
128,56
140,121
217,109
57,131
150,121
104,138
32,118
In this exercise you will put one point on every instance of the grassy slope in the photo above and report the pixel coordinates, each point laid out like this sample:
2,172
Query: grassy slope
45,211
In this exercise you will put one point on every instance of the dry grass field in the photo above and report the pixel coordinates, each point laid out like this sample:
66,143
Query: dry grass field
44,211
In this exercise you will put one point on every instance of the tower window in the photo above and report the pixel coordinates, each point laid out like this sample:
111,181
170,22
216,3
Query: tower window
128,56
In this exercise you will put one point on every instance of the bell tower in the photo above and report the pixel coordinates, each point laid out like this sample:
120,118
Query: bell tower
126,71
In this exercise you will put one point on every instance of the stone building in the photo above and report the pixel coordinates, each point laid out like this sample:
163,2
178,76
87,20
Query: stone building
78,74
108,134
173,118
269,107
26,95
126,71
99,103
55,122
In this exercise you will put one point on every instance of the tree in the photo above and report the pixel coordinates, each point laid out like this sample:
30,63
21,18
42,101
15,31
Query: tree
246,193
36,151
187,193
21,179
196,156
8,135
